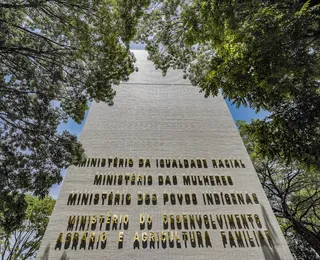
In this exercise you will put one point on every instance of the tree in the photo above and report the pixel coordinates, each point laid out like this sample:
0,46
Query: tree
24,241
262,54
300,248
294,195
55,57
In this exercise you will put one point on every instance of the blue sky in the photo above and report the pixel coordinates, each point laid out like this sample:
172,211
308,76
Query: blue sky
242,113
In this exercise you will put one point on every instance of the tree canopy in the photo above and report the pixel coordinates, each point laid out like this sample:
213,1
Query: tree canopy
55,57
262,54
58,55
294,195
23,241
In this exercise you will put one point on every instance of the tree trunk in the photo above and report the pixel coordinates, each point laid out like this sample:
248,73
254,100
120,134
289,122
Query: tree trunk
309,236
312,238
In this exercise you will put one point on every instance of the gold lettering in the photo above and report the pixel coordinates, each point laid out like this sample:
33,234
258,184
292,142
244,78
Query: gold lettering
104,236
144,237
59,239
120,238
92,237
136,237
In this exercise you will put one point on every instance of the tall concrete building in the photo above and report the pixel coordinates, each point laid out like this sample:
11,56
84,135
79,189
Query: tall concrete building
167,177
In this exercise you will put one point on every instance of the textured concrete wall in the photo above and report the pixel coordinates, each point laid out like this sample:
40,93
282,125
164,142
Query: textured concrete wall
155,117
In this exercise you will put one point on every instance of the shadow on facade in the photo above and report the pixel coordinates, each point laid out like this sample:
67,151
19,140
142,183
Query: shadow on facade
47,251
270,253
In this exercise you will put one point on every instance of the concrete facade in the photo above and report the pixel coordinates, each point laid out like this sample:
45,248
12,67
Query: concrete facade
157,118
